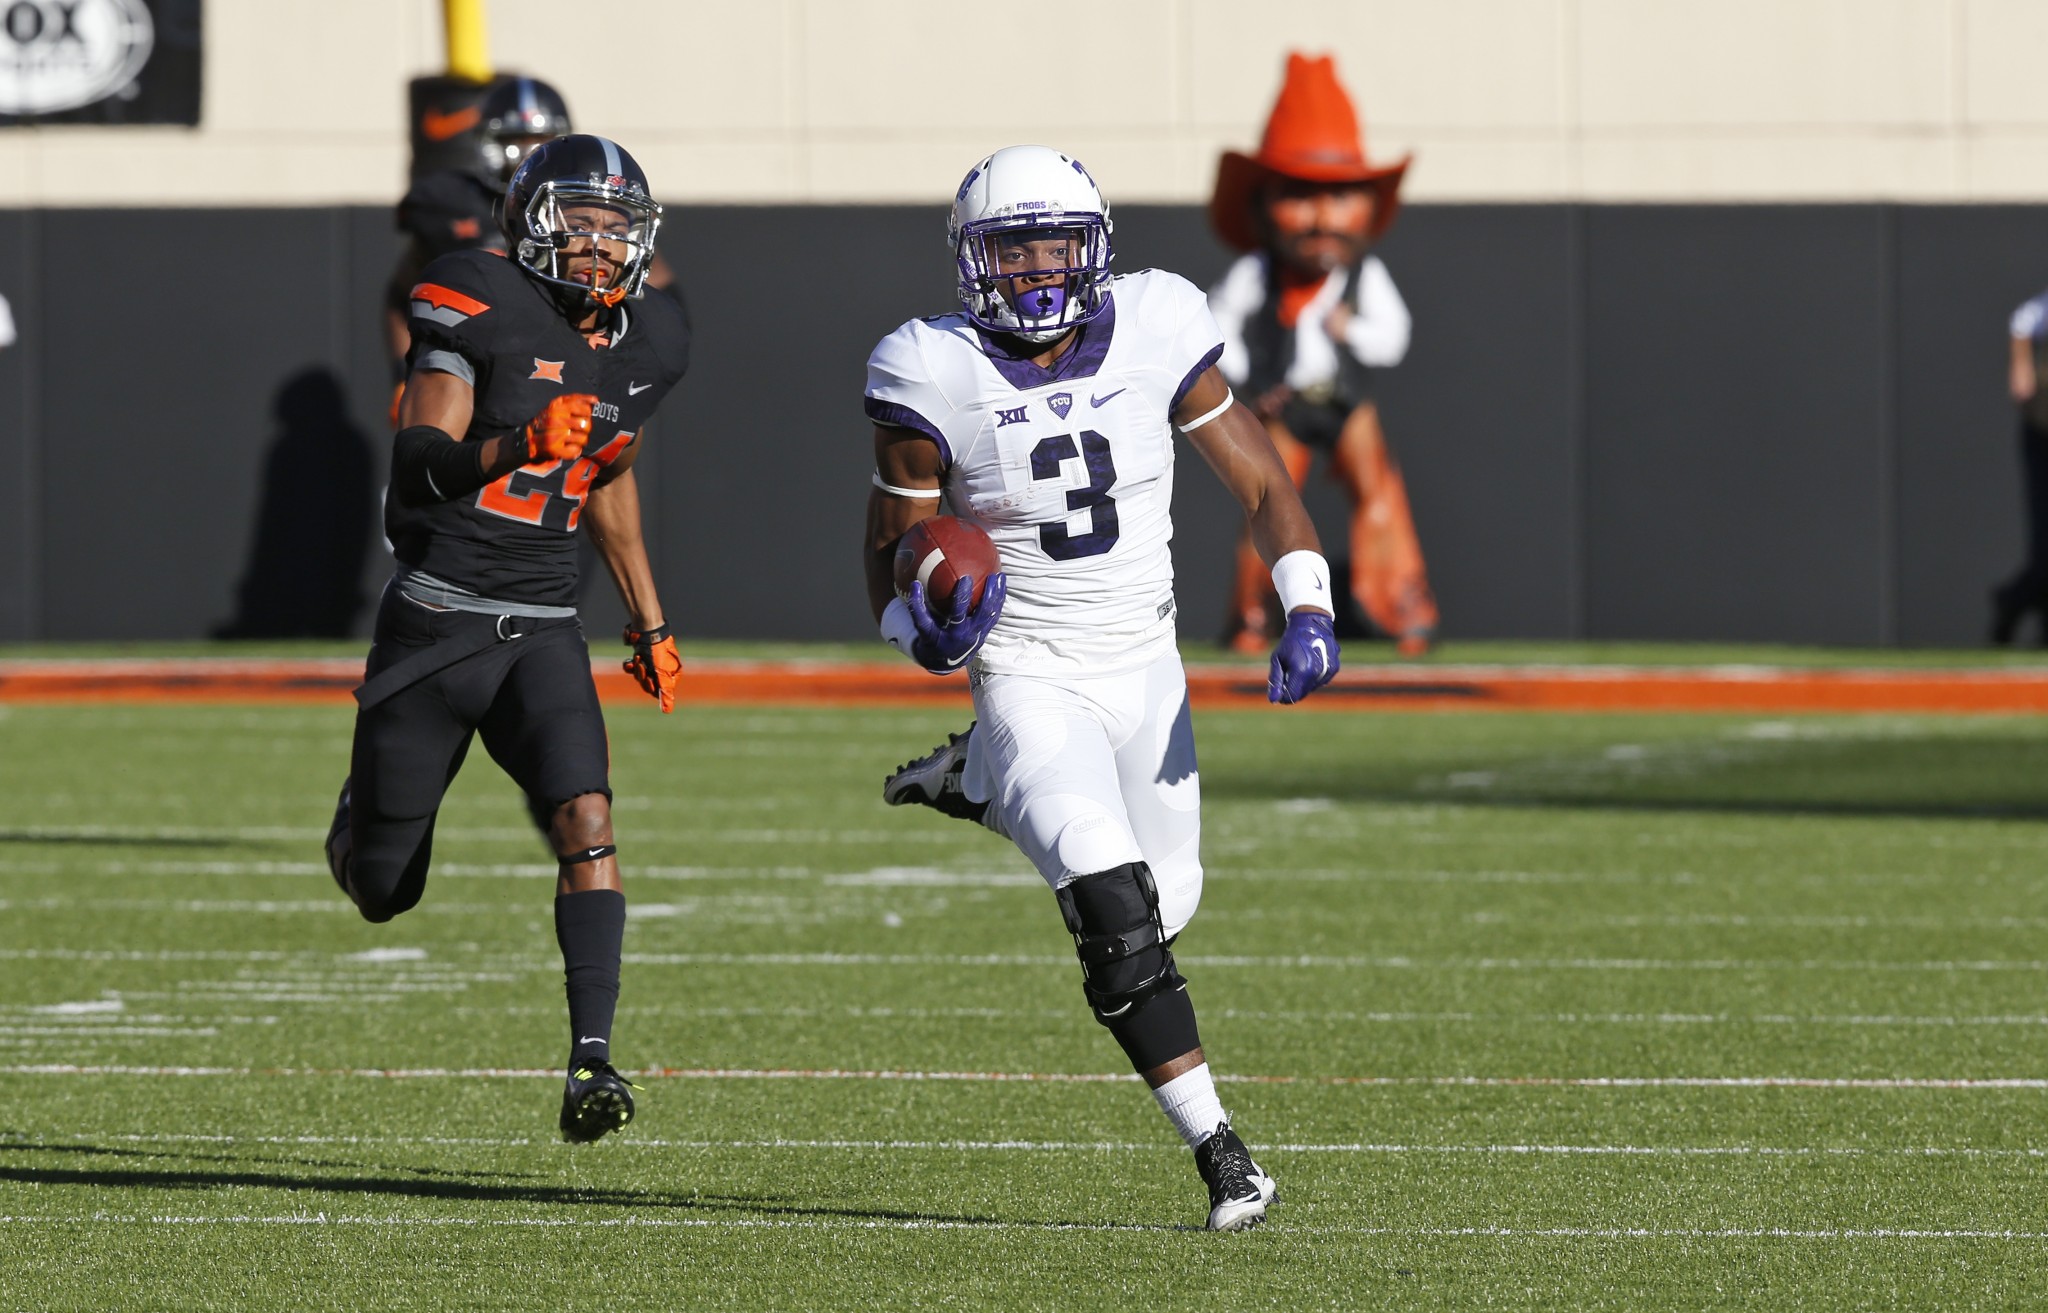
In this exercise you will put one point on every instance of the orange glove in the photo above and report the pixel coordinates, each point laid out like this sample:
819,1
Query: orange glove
656,663
561,430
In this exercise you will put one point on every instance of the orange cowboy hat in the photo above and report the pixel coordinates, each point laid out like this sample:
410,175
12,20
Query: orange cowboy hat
1312,136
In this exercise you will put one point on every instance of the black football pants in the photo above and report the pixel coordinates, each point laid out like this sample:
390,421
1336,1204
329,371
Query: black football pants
530,697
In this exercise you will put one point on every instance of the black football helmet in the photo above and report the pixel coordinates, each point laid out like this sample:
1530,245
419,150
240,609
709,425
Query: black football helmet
568,173
516,113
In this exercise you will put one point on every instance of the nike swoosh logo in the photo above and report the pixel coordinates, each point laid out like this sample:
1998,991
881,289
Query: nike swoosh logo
635,389
436,126
1096,401
1322,654
591,1039
592,854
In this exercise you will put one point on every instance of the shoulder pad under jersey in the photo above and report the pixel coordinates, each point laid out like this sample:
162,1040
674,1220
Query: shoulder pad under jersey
467,302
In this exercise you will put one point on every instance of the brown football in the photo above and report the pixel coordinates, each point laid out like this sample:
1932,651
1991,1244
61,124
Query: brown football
940,551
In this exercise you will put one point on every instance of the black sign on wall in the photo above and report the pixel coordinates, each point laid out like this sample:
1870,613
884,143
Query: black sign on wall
99,61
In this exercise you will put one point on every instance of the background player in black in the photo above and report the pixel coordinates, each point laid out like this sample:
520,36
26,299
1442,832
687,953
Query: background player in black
456,209
530,379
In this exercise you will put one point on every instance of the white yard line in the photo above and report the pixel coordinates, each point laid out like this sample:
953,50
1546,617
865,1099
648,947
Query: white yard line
1061,1078
1304,961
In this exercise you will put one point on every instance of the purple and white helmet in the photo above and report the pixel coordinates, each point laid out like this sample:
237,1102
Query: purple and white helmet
1031,188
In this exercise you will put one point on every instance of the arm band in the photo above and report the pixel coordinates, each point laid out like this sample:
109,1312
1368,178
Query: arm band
921,494
1229,398
898,629
428,466
1303,579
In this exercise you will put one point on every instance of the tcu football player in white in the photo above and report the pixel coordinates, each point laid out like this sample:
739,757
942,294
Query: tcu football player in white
1044,412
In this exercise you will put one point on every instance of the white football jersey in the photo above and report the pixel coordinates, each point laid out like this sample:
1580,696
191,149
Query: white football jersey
1068,469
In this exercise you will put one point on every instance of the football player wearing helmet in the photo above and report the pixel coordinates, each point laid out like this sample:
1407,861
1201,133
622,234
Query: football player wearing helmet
1044,412
531,378
457,209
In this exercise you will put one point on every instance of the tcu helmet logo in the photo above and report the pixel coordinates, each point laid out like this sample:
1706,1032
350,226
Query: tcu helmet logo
1061,403
62,54
548,371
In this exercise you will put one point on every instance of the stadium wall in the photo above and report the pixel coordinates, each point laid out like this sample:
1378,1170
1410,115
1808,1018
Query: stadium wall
887,101
1778,423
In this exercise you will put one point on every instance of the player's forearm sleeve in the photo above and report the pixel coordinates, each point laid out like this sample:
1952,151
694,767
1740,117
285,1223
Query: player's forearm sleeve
428,466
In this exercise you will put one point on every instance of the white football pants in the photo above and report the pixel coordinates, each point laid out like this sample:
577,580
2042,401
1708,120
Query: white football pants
1087,774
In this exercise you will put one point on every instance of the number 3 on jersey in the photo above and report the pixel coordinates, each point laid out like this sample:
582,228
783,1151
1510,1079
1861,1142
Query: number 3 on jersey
549,494
1057,540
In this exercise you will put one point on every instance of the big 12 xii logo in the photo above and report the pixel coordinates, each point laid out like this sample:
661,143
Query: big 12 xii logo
57,55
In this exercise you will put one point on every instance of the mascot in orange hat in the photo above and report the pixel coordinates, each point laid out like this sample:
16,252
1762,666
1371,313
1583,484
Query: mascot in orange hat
1307,314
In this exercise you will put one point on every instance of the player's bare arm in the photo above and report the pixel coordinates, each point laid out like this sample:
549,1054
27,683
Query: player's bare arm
903,459
613,523
1237,448
613,513
940,632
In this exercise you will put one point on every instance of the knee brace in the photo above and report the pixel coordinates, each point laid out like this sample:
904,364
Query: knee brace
1114,918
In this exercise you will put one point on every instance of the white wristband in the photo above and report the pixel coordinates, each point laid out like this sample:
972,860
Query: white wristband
1303,579
1229,399
898,629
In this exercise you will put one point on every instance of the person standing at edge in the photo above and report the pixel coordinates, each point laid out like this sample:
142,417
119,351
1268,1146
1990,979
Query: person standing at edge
1307,314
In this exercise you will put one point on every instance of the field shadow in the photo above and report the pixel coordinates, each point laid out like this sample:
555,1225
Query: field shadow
470,1192
1839,809
187,1155
32,834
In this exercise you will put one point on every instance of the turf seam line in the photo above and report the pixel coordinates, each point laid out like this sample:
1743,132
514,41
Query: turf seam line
942,1224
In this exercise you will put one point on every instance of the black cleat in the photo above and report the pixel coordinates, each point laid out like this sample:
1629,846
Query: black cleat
933,781
1239,1192
341,844
595,1102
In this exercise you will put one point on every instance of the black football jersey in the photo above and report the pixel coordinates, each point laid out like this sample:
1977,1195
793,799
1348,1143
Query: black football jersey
515,540
450,211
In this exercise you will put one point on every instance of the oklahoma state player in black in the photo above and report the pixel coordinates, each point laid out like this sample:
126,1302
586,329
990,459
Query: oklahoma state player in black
530,378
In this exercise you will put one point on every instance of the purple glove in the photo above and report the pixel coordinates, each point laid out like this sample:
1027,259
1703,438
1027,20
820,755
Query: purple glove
1306,658
943,647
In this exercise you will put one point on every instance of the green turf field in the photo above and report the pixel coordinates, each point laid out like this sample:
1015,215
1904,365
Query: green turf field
1558,946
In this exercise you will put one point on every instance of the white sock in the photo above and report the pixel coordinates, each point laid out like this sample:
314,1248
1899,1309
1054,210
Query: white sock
1190,1103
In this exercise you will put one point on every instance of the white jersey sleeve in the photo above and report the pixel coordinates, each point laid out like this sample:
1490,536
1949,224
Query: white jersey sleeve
1178,313
2027,321
903,391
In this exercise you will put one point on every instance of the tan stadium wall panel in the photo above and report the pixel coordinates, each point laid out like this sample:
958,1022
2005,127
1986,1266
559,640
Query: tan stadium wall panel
883,101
